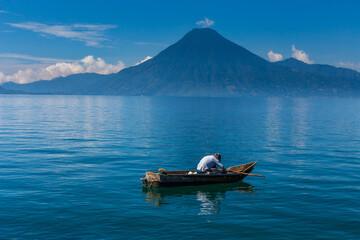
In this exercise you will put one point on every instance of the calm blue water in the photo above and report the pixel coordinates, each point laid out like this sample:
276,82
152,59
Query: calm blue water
70,167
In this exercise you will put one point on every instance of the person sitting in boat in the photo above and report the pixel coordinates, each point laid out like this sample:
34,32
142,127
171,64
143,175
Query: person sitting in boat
211,161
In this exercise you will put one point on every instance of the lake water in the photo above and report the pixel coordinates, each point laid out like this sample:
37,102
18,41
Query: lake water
71,166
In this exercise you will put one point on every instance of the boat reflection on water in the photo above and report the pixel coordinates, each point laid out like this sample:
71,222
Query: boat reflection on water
209,196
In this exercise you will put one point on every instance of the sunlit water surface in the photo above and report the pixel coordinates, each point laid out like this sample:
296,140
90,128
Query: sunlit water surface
70,167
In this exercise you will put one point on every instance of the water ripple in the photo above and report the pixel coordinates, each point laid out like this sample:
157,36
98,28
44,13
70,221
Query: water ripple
70,167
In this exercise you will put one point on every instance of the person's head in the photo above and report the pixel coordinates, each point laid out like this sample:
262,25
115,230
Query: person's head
218,156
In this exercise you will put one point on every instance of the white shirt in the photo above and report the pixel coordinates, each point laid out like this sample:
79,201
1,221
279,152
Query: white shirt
208,162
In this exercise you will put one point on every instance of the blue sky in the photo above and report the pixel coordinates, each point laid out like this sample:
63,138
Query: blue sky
42,38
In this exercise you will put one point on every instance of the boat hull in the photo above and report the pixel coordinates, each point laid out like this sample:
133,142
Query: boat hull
182,178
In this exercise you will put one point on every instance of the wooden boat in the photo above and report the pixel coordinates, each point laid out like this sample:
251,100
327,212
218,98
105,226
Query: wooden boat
185,178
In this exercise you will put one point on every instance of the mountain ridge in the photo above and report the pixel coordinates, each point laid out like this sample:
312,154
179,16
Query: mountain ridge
204,63
321,69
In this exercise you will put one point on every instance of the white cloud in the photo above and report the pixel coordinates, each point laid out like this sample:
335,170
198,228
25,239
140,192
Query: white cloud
86,65
300,55
92,35
354,66
10,13
144,60
205,23
274,57
148,43
346,64
32,58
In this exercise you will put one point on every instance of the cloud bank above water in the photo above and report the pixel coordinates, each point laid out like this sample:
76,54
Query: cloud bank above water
88,64
205,23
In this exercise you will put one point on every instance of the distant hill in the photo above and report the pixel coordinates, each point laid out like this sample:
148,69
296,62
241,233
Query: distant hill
6,91
203,63
2,90
321,69
73,84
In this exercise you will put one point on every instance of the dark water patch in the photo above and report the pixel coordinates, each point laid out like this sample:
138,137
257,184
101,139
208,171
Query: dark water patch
79,140
47,151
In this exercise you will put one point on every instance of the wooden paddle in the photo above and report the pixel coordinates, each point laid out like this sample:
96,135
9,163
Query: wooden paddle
247,174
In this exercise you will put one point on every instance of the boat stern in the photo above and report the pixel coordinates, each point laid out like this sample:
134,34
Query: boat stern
151,178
